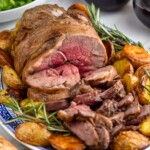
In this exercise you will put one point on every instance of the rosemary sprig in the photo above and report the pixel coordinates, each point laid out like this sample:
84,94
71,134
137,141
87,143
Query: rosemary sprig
115,36
36,113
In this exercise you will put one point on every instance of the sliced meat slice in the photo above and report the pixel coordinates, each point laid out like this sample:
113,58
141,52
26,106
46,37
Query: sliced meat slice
64,76
80,88
56,105
102,76
104,138
117,91
117,118
116,130
108,107
38,95
126,101
75,111
91,98
85,131
145,112
102,121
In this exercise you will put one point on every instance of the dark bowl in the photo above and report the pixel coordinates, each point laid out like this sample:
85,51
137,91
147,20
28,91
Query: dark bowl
108,5
142,10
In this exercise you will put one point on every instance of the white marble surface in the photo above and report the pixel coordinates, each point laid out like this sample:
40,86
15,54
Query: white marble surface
124,19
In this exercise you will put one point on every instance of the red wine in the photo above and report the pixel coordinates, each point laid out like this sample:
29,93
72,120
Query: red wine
108,5
142,10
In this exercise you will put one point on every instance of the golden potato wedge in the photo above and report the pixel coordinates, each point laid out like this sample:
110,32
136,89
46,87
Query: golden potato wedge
141,70
123,66
81,7
143,89
6,39
145,127
33,133
130,81
61,142
110,50
143,84
136,55
130,140
5,59
11,78
6,145
6,95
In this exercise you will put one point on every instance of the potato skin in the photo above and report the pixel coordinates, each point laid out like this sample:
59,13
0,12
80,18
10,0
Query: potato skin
61,142
123,66
6,145
5,59
143,94
130,81
6,39
33,133
136,55
11,78
145,127
130,140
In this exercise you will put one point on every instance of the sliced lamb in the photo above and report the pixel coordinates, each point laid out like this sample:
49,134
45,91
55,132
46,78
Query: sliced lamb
126,101
115,131
64,47
91,98
102,121
48,96
56,105
104,138
85,131
118,118
102,76
145,112
75,111
133,109
117,91
108,107
80,88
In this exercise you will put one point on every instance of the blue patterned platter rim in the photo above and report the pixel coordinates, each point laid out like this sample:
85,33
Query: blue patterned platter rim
6,114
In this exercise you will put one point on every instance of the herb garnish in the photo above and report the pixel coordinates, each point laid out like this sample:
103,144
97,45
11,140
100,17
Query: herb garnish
39,114
115,36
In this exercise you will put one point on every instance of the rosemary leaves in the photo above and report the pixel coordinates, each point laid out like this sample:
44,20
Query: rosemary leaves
115,36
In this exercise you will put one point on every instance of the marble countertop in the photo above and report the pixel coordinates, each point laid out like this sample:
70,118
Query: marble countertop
124,19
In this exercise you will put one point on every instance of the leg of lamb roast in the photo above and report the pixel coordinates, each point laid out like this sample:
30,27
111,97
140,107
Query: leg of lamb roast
54,48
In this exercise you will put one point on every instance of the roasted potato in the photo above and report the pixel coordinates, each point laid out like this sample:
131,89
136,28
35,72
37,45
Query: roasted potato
61,142
81,7
33,133
123,66
136,55
130,81
143,84
143,89
5,59
145,127
6,95
11,78
6,145
6,39
110,50
130,140
141,71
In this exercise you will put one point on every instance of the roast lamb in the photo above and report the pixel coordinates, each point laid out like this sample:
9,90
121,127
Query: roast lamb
55,48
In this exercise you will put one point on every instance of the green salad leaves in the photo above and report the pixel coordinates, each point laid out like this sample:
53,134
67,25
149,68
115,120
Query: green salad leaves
9,4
